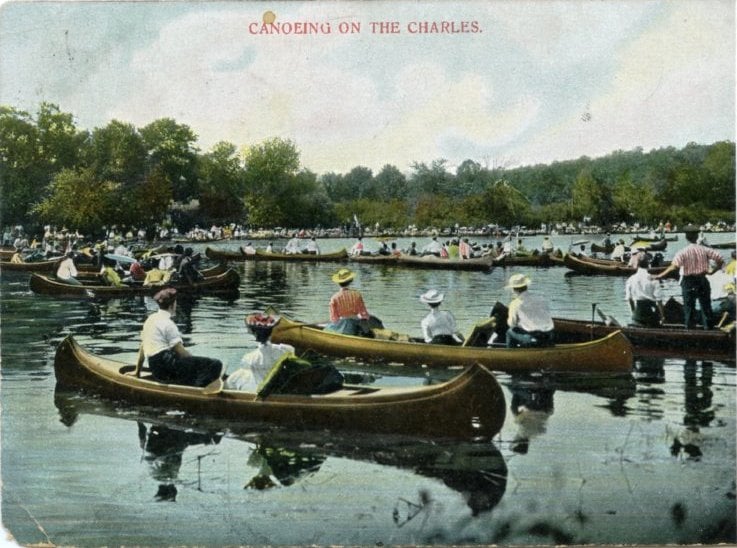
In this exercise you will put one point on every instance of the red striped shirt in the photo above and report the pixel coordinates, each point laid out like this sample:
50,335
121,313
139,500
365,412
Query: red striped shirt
347,303
694,259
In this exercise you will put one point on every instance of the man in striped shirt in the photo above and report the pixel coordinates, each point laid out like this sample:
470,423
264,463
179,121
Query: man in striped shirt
693,260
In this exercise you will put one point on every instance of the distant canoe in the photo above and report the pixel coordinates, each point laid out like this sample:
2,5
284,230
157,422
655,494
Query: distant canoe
468,406
38,266
375,259
723,245
532,260
649,245
48,285
226,255
433,262
673,238
605,267
340,255
612,353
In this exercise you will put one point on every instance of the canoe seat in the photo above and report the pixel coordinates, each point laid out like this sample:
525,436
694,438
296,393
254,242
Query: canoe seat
481,333
389,335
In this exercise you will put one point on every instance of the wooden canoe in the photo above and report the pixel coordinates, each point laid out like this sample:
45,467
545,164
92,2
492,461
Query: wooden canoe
390,260
532,260
37,266
89,271
339,255
48,285
649,245
605,267
612,353
468,406
670,339
432,262
226,254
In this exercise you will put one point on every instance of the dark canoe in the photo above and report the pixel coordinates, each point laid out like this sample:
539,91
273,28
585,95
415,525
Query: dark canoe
532,260
374,259
340,255
471,405
668,340
432,262
47,285
605,267
612,353
39,266
90,271
723,245
602,248
637,237
226,255
650,245
7,251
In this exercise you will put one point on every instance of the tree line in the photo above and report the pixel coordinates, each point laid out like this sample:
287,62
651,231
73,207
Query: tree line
52,172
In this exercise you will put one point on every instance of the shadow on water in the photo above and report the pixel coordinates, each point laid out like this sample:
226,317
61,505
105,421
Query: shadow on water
282,458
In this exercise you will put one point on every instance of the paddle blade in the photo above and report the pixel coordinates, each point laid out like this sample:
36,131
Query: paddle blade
607,319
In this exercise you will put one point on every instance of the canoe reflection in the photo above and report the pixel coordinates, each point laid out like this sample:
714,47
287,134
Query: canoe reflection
283,458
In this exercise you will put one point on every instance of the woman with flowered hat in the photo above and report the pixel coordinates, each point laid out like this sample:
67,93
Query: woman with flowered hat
256,364
162,345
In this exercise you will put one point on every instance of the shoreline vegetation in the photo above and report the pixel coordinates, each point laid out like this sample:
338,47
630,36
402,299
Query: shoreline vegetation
56,174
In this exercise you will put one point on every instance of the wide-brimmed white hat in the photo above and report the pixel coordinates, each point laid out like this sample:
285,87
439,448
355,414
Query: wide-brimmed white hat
432,296
517,280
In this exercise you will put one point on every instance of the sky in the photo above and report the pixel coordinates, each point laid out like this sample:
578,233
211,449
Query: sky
515,82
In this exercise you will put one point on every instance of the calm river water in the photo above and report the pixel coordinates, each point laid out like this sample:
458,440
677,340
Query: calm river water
644,458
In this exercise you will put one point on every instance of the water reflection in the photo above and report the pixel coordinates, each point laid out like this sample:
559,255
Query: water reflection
163,449
284,458
531,406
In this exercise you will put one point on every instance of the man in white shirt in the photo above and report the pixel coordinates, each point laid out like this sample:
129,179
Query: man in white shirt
293,246
256,364
162,345
67,271
618,251
433,248
529,320
644,296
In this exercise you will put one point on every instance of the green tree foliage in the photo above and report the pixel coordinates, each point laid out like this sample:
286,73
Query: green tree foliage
171,149
117,153
80,200
272,183
221,182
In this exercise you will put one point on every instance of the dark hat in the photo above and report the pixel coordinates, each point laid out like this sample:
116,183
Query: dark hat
165,295
690,229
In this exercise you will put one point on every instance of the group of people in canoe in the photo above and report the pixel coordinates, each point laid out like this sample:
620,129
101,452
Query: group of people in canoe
122,268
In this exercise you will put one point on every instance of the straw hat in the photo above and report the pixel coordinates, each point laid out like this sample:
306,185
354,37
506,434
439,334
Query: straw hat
343,276
432,296
517,281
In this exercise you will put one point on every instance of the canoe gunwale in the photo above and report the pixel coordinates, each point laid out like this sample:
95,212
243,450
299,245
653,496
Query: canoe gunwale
591,355
444,410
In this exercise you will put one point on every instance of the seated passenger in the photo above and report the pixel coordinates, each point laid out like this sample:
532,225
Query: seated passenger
529,320
644,296
162,345
256,364
439,326
348,314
